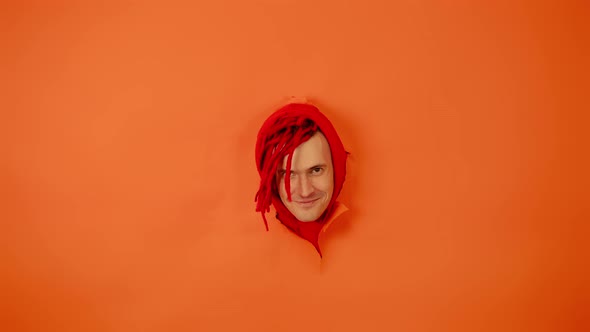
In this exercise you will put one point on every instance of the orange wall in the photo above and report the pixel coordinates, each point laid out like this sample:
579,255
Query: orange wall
128,171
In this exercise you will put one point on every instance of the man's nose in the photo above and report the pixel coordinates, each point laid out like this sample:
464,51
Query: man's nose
305,186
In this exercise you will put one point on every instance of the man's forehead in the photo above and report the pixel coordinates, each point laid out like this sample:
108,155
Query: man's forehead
315,151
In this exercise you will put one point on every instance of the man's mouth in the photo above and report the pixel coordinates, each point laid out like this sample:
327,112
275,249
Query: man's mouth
307,203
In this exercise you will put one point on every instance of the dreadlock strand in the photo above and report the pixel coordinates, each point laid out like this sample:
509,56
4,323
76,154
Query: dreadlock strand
264,218
288,176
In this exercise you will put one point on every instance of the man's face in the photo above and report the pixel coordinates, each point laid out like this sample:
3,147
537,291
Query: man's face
312,179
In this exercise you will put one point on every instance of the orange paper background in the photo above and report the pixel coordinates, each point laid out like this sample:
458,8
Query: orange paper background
128,176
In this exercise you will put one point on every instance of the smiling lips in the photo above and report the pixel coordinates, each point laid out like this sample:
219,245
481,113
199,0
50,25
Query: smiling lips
307,203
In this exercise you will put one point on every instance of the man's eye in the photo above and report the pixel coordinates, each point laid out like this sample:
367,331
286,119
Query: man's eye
316,170
282,173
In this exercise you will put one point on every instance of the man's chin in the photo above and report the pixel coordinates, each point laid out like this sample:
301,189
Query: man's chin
306,217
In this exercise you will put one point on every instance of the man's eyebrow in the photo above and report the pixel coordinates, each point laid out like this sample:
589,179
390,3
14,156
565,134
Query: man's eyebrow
309,169
317,166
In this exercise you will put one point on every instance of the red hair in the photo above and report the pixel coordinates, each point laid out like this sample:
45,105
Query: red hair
279,136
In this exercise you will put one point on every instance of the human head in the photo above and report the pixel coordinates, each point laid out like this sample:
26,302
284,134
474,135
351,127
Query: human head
285,131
